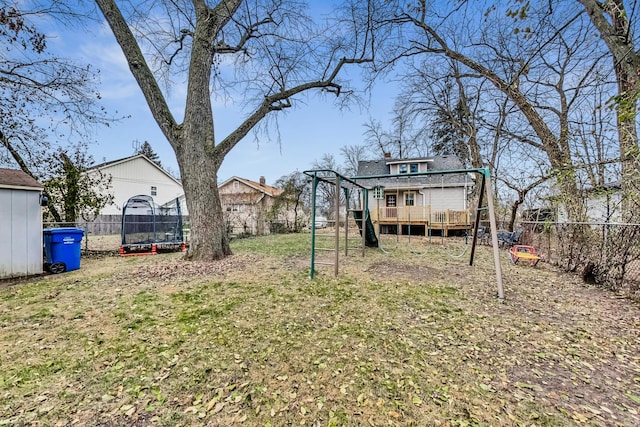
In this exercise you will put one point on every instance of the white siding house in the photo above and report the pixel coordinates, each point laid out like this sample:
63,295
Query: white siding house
420,204
137,175
601,205
20,224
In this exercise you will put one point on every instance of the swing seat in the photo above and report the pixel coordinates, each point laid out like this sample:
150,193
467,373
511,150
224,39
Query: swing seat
525,253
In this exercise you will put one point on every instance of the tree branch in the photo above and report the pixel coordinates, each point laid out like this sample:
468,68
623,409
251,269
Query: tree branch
140,69
280,101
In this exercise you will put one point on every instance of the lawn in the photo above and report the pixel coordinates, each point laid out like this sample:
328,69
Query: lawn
411,337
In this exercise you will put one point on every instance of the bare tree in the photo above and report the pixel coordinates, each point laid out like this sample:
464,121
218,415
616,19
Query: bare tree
277,52
377,139
614,23
403,140
43,98
293,199
352,155
544,78
326,191
437,100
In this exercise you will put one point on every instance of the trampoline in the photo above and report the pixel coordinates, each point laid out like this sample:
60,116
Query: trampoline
148,228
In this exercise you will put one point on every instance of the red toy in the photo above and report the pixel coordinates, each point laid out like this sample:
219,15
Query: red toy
525,253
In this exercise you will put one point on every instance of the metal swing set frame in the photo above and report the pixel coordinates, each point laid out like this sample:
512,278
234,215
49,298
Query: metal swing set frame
348,184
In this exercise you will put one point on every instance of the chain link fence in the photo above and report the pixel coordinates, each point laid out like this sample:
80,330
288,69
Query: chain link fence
605,254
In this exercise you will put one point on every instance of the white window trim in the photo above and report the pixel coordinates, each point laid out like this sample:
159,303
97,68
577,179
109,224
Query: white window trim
413,198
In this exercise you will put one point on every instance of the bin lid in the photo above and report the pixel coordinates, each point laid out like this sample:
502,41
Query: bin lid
65,230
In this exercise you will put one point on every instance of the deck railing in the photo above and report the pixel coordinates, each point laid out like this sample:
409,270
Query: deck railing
420,214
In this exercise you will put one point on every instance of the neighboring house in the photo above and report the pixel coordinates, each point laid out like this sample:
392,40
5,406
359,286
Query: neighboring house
246,203
20,224
417,204
604,204
601,204
132,176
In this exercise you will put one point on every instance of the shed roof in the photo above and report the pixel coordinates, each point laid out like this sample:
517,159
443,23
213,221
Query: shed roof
15,178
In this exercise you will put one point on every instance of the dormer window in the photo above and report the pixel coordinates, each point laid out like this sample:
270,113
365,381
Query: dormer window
402,168
154,190
378,192
413,167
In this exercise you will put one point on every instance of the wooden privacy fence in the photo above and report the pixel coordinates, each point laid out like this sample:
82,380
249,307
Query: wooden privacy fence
101,226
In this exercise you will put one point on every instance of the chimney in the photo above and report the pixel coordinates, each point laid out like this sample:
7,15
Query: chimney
262,180
387,155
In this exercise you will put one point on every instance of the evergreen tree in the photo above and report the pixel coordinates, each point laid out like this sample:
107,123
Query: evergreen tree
148,152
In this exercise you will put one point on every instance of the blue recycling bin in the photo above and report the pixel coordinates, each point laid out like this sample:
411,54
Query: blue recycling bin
62,248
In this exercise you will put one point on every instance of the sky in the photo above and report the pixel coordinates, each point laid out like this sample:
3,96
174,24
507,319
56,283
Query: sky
306,132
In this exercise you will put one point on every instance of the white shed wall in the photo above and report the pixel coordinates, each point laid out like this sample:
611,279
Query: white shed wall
604,208
21,230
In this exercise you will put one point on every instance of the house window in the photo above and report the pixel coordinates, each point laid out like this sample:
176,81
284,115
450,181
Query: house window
154,191
236,185
409,199
413,167
402,168
391,200
378,192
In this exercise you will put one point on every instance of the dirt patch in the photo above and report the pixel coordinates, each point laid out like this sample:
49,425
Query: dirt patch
401,270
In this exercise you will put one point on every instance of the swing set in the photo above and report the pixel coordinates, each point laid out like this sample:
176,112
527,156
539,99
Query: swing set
344,190
419,219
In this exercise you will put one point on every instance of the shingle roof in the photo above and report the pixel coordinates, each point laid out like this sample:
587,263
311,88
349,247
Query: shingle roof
373,167
271,191
15,178
436,163
264,188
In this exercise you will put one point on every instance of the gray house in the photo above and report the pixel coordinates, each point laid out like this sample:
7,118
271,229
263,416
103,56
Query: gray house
21,224
405,202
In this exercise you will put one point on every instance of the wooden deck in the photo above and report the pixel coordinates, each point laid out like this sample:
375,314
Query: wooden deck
422,216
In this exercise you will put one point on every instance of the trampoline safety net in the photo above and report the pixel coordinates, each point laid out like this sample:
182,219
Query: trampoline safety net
145,223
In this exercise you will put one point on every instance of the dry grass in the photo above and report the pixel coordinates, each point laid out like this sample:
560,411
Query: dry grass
412,337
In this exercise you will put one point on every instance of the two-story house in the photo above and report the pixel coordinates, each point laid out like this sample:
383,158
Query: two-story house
133,176
246,204
406,201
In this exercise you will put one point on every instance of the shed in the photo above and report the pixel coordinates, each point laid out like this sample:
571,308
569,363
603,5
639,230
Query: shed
20,224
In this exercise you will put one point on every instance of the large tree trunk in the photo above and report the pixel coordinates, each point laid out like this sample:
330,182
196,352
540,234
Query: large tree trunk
203,201
196,151
612,22
193,141
626,112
